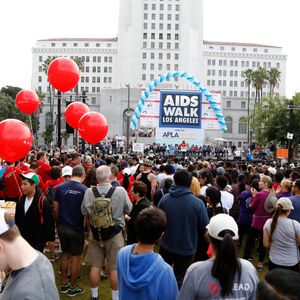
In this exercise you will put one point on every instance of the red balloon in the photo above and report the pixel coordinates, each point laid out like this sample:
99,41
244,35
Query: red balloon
63,74
93,127
16,139
74,112
27,102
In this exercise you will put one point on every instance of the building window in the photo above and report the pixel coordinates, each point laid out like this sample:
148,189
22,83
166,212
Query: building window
144,55
222,48
153,26
176,56
254,49
40,58
161,26
94,100
228,104
97,45
145,6
160,56
144,35
145,16
143,77
176,26
40,78
243,104
87,59
228,121
278,65
153,17
144,45
232,48
161,7
145,25
52,44
244,49
64,44
40,69
266,50
153,7
86,44
153,36
242,126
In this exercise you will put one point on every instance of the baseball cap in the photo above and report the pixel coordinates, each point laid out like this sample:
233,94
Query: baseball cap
286,203
126,171
3,225
32,176
272,170
66,171
148,162
222,222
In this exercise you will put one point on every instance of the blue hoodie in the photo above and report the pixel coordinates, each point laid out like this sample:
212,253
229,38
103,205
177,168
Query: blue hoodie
186,218
144,276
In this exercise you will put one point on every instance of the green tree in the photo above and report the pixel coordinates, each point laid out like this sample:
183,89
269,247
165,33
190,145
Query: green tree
8,106
273,78
272,121
45,67
248,79
48,134
10,91
259,78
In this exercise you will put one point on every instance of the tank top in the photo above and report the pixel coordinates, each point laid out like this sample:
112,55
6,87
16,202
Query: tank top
144,178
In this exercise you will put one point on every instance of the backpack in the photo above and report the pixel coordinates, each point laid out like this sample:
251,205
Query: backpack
102,217
50,195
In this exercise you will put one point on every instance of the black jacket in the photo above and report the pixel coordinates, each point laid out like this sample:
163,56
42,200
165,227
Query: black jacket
36,226
136,208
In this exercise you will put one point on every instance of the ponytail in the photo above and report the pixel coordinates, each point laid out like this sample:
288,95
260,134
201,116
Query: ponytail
275,216
126,181
226,263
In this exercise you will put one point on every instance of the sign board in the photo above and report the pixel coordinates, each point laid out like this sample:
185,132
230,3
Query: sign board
282,153
180,109
170,135
138,147
150,113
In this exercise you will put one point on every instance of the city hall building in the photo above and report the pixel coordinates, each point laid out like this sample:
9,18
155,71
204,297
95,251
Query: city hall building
156,37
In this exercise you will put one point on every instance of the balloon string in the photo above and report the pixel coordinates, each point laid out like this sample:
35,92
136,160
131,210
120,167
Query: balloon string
31,128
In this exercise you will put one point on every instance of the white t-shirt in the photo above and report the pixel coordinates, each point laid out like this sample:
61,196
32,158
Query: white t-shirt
227,200
284,250
28,202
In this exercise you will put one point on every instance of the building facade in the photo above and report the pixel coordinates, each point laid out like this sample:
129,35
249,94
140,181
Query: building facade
155,37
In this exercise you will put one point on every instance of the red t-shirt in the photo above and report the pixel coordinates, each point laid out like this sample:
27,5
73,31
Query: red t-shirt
52,182
24,167
44,170
12,181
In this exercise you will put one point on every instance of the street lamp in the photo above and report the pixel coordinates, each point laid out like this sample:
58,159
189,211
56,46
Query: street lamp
128,116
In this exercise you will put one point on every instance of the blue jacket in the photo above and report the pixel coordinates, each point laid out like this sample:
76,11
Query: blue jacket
186,216
144,276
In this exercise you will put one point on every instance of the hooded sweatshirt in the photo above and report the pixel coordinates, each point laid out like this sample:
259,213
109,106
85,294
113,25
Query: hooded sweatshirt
186,217
144,276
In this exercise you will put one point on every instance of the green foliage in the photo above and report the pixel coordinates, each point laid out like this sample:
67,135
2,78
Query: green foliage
10,91
8,107
48,134
271,120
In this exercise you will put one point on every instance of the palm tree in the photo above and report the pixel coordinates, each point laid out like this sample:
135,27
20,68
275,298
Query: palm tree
248,80
259,78
45,67
273,78
80,63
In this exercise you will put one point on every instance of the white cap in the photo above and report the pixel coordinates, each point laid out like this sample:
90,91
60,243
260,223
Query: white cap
66,171
222,222
272,170
3,225
285,203
127,171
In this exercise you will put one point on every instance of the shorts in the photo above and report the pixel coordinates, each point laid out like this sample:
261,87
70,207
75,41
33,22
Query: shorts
71,241
98,251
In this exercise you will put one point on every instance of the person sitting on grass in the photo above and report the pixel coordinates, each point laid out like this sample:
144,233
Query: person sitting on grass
142,273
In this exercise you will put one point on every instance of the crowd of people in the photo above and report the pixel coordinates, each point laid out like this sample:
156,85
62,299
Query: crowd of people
160,226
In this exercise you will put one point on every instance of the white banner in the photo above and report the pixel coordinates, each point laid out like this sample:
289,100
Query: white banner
150,113
138,147
209,119
173,136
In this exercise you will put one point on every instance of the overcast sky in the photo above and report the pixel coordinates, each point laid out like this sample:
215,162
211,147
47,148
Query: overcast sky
270,22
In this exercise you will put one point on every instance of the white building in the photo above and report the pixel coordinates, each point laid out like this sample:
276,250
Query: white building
156,37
